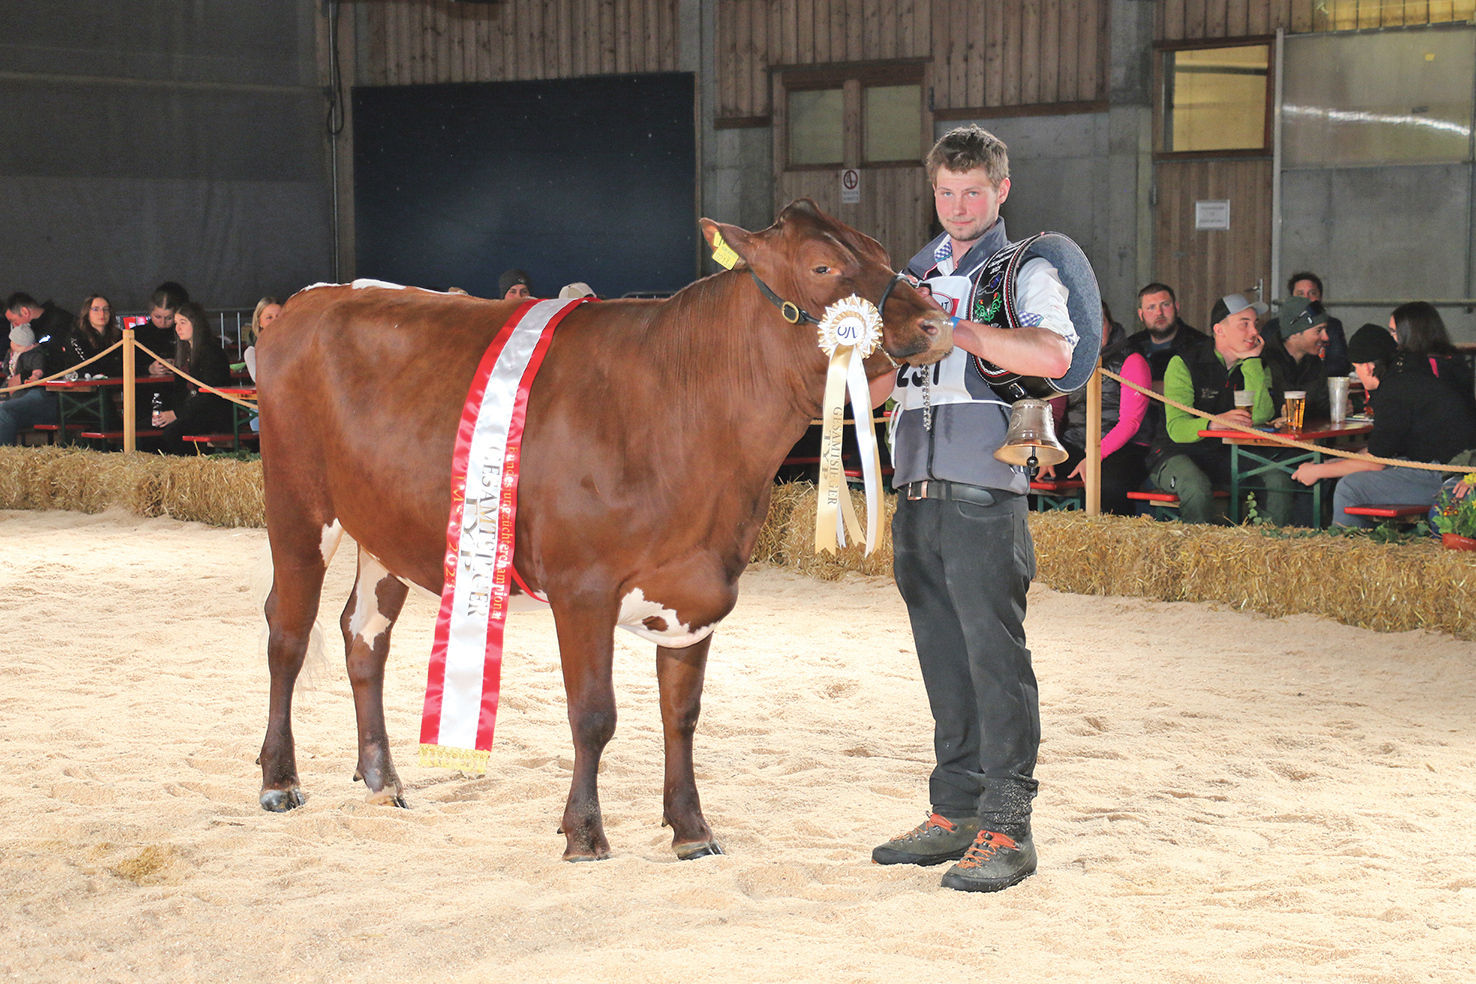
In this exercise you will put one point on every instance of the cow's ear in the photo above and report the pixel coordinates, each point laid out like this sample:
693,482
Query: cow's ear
730,244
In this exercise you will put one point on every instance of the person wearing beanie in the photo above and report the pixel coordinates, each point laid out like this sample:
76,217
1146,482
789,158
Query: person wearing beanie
1190,466
1415,418
1296,342
1305,283
514,284
26,408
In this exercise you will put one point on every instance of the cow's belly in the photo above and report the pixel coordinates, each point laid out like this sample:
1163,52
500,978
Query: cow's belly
654,622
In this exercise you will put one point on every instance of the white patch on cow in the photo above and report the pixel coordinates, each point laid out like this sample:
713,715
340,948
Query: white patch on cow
366,621
367,282
635,609
321,283
328,544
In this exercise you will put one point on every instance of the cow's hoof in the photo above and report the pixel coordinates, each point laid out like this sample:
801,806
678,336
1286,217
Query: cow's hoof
281,800
571,855
387,797
707,849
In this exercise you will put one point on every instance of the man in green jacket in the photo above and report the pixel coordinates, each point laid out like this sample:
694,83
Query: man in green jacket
1190,466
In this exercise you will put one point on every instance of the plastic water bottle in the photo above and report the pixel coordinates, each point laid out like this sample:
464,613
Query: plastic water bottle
157,403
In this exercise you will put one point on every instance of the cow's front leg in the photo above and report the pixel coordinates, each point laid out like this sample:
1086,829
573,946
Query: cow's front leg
587,650
680,673
366,622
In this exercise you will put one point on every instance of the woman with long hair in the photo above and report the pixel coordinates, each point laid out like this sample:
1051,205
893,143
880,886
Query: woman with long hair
267,311
94,330
198,353
1425,344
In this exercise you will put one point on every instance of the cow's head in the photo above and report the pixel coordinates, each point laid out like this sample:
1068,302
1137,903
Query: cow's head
808,260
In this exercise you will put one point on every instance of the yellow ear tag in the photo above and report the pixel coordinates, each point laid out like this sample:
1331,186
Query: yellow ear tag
722,253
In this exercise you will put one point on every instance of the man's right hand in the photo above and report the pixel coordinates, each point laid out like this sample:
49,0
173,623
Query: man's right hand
1237,416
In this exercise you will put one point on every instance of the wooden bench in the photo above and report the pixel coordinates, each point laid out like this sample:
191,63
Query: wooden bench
1406,514
51,431
229,441
1162,504
116,436
1058,494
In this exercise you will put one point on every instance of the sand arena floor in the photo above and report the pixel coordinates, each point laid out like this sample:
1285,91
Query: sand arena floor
1224,797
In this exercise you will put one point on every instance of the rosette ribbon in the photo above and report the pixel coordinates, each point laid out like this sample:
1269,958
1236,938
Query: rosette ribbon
850,331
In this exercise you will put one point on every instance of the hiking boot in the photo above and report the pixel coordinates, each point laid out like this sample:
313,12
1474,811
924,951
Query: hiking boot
993,862
935,840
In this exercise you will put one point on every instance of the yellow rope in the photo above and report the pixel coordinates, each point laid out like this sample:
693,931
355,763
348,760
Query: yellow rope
55,376
204,387
1285,441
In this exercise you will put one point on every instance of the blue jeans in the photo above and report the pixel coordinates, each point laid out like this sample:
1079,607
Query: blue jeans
25,409
1392,486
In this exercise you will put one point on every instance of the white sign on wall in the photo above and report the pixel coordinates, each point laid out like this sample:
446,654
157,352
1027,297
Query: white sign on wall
1213,214
850,182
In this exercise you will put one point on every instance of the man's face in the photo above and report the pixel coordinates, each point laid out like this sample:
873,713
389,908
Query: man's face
518,291
967,203
1313,341
1307,289
22,316
1158,312
1236,337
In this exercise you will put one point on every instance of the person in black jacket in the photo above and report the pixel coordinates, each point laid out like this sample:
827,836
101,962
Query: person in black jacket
1416,418
1308,285
1296,341
193,412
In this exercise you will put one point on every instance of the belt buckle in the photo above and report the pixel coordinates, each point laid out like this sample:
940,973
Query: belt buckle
917,490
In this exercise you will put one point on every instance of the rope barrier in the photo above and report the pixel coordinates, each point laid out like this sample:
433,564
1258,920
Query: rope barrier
58,375
1285,441
203,387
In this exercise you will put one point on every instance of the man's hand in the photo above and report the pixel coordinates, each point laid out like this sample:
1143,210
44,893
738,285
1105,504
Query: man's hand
1308,473
1239,416
1046,473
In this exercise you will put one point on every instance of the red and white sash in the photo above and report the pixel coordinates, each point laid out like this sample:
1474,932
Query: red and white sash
466,657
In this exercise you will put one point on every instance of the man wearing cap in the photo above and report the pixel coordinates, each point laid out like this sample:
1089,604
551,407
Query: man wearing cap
1181,461
514,284
1296,341
1415,418
26,364
963,557
1305,283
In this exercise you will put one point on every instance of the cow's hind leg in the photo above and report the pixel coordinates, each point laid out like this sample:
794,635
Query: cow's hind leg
300,555
679,673
587,651
366,622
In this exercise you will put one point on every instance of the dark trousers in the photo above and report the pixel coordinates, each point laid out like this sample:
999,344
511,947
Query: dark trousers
963,570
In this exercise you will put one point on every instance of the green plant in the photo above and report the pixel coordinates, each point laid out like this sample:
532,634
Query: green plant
1457,514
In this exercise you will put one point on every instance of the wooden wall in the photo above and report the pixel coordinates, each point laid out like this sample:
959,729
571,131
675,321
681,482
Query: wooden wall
985,56
1194,20
407,42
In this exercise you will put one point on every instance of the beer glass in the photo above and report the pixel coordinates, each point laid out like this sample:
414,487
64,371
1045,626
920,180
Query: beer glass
1295,409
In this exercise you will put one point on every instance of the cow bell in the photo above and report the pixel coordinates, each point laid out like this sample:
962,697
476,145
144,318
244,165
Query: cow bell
1031,439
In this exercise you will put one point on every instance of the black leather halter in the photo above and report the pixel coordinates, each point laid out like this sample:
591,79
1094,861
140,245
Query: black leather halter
795,314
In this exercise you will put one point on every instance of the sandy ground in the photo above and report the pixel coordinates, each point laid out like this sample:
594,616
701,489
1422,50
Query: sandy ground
1223,797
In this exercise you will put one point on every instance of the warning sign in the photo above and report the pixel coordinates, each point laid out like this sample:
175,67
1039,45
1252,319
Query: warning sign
850,182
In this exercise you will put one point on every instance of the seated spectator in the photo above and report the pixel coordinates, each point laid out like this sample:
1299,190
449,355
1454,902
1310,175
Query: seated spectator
48,322
1125,427
267,310
158,332
574,291
1418,419
514,284
1307,284
193,412
1181,461
94,330
1296,340
1164,333
26,364
1421,334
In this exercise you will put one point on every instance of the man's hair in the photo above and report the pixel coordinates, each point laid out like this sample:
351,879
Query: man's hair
966,147
168,295
1291,282
1156,288
19,300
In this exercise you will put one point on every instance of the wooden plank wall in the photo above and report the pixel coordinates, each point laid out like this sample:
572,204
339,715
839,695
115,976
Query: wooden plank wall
1000,54
1194,20
409,42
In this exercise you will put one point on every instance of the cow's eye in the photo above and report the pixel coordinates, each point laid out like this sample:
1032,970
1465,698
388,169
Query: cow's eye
822,270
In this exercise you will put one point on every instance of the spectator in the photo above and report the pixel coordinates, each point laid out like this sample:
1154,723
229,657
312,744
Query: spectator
1418,419
1181,461
157,334
514,283
193,412
1295,342
1420,332
267,310
1164,333
48,322
1308,285
26,364
1125,426
574,291
94,330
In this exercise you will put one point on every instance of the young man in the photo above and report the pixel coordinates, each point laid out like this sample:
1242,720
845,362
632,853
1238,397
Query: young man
1296,361
1308,285
1164,333
1190,466
514,284
963,556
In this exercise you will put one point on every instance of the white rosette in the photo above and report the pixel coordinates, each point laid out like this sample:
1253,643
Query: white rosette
850,330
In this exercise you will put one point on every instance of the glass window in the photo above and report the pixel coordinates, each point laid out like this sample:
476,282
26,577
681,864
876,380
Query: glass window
816,126
893,123
1215,99
1419,112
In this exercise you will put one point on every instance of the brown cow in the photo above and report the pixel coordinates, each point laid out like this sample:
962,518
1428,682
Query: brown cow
654,431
